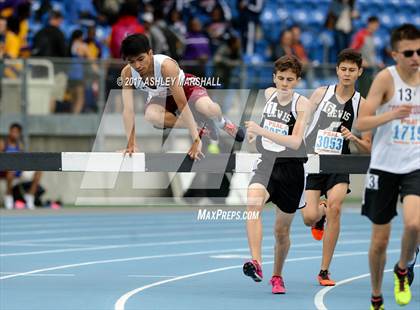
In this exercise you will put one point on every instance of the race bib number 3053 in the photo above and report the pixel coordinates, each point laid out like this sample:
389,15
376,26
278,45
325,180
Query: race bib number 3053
278,128
328,142
406,131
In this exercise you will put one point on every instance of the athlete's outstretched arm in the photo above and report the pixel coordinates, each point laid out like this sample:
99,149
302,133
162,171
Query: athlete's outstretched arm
378,94
128,111
170,70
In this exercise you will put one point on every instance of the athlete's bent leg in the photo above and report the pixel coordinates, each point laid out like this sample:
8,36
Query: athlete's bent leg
312,212
162,118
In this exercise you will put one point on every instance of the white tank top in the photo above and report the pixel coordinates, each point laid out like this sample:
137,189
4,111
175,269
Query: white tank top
396,144
162,85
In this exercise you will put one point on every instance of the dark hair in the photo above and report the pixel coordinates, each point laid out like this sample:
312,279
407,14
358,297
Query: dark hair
288,63
373,19
350,55
134,45
129,8
16,125
13,24
404,32
55,14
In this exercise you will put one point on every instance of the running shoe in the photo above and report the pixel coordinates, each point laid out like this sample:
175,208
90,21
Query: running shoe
253,269
402,291
234,131
324,278
410,268
278,285
318,229
213,148
377,303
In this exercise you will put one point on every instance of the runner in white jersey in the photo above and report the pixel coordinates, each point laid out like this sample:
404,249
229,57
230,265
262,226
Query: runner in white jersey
279,175
174,97
330,132
393,107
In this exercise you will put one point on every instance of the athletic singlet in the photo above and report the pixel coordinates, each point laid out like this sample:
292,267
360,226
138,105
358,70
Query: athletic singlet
281,120
396,144
324,136
11,149
162,85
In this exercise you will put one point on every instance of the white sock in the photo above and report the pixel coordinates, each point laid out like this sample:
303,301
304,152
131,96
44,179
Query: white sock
8,202
30,201
219,121
413,260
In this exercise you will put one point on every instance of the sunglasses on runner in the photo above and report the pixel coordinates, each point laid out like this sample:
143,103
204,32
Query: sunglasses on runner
410,53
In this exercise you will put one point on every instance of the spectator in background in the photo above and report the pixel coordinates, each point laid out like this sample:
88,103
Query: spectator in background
3,31
249,12
79,52
12,42
126,24
363,42
23,13
13,143
155,34
94,52
340,19
297,47
197,48
176,23
174,41
94,47
50,41
227,57
217,28
179,30
286,45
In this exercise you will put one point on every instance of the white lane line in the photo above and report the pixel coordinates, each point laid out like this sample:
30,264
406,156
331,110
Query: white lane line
180,242
319,297
121,246
120,304
42,274
134,235
148,276
185,254
149,257
47,245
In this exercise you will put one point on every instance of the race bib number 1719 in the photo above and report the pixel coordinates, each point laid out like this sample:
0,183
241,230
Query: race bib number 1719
406,131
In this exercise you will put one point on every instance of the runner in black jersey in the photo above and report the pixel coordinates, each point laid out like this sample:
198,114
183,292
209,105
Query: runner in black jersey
279,175
335,111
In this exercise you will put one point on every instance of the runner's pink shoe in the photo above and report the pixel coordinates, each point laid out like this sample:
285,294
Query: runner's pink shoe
234,131
278,285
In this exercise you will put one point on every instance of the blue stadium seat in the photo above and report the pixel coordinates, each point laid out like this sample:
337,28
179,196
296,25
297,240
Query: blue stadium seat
301,17
386,20
317,18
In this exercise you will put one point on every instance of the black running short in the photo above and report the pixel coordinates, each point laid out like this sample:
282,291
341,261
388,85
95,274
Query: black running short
285,182
324,182
382,190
